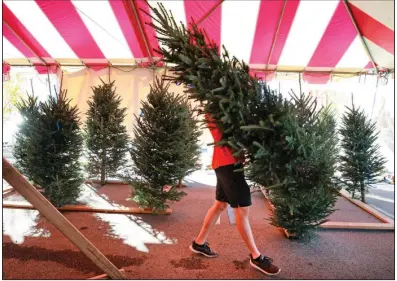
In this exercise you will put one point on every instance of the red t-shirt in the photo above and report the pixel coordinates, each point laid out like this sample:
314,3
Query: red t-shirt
223,155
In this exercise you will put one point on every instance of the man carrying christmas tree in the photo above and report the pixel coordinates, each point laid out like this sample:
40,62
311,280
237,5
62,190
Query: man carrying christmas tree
231,189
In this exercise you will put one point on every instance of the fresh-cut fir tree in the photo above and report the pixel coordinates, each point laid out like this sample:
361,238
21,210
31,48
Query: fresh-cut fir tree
48,147
361,161
254,120
307,193
28,137
106,136
164,148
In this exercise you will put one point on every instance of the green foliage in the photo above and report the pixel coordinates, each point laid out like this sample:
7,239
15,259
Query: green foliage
280,138
11,95
361,161
307,194
28,138
164,148
186,140
106,137
48,147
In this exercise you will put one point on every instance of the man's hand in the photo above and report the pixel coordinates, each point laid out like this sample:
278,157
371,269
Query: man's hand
167,188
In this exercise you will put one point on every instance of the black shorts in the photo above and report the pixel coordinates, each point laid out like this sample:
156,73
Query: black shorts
231,187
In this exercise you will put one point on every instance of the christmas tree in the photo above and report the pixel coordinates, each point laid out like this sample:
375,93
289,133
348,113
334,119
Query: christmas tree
48,147
361,161
222,85
106,137
256,121
164,148
27,139
307,194
188,155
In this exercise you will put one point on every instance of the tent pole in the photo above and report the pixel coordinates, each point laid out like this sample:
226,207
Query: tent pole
23,42
275,35
361,36
209,13
49,82
254,69
143,33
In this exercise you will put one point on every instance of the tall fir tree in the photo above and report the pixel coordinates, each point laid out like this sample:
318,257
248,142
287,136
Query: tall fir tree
164,148
361,161
106,137
48,147
254,120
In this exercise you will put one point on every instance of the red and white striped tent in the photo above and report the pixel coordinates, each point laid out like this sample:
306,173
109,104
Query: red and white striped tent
317,38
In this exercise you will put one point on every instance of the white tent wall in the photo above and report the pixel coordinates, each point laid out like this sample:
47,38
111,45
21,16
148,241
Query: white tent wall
375,96
133,85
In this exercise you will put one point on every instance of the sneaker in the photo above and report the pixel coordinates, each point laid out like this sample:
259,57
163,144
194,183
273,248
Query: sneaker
203,249
265,265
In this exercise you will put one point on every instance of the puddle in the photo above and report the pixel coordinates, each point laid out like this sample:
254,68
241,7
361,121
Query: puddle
129,228
18,223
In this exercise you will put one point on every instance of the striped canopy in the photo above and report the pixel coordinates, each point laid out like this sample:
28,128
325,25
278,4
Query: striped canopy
316,38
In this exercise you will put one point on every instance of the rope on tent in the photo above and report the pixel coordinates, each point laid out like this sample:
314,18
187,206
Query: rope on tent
31,85
49,81
133,68
101,27
376,92
384,79
61,84
300,84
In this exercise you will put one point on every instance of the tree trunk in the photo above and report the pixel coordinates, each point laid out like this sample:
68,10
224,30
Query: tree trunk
362,186
103,175
180,183
103,170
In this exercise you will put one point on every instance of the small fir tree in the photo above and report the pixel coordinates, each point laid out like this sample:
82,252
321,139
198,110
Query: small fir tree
106,137
361,161
164,149
48,147
27,139
189,149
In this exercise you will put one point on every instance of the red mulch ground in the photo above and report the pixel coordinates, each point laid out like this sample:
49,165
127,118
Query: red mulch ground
349,212
331,255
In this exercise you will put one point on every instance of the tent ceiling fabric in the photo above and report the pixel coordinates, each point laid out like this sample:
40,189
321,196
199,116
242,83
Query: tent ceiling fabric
271,35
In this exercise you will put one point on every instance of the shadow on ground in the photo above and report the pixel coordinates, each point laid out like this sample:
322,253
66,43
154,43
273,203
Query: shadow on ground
68,258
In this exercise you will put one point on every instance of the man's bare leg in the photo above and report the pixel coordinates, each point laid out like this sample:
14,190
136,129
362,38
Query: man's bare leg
243,226
210,219
258,261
